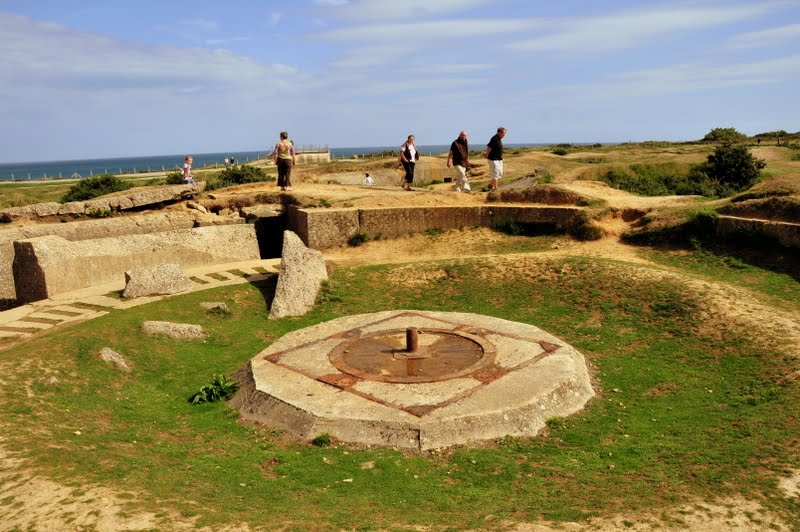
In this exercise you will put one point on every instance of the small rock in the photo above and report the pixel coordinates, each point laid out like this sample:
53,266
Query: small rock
109,355
196,206
215,306
163,279
180,331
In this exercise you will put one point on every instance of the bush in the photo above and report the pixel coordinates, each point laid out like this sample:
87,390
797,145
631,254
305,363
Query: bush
93,187
238,175
323,440
724,134
654,180
174,178
730,169
583,229
358,239
219,389
560,151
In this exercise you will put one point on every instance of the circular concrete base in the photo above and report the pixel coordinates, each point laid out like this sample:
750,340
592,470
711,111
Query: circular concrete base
523,377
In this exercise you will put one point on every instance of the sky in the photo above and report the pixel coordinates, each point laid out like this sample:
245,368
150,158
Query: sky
116,78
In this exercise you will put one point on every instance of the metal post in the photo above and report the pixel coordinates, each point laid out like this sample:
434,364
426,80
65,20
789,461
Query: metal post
412,339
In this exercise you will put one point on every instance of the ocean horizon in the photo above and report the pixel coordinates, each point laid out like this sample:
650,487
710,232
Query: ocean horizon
79,168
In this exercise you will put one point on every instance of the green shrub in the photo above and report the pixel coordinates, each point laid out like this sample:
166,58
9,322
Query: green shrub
174,178
99,213
323,440
730,169
509,227
560,151
219,389
724,134
238,175
93,187
358,239
654,180
583,229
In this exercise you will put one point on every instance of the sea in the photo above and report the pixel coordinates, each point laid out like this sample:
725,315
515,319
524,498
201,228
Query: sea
79,168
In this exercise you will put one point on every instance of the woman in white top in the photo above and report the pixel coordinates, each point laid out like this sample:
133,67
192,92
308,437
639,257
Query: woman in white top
408,159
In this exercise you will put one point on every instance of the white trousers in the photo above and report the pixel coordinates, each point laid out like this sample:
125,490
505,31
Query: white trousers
461,179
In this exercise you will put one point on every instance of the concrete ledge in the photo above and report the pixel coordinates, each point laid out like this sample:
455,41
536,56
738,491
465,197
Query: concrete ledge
132,199
50,265
787,234
83,230
327,228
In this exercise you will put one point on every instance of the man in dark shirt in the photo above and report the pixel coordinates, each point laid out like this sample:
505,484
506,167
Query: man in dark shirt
494,152
459,157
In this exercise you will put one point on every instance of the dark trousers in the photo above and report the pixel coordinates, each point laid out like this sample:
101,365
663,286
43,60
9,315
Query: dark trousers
409,167
284,172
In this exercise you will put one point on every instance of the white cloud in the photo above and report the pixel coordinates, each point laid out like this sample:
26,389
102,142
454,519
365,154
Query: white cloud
274,19
200,24
398,10
701,76
764,38
678,79
632,28
78,92
55,57
442,30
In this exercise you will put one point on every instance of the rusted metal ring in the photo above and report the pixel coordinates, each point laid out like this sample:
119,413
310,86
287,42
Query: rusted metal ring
387,356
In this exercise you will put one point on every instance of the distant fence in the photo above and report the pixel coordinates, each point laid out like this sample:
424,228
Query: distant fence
125,170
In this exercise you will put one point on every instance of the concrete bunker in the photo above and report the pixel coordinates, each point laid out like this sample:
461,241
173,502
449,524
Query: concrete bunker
414,380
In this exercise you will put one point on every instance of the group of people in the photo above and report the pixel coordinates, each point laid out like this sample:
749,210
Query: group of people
457,157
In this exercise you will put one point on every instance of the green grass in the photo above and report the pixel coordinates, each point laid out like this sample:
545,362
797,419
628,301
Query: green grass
688,407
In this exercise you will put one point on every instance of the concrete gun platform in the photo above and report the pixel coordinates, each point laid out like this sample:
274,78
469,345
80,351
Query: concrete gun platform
458,378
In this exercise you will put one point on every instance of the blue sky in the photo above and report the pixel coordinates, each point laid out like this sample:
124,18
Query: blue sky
83,79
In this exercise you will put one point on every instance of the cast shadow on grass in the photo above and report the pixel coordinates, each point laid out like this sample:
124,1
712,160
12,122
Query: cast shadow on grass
267,289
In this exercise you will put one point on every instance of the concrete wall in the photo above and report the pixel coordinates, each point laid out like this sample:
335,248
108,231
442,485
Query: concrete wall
326,228
49,265
83,230
316,157
787,234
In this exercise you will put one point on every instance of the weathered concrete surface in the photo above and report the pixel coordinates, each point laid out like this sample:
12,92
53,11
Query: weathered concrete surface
787,234
83,230
322,231
530,377
326,228
131,199
49,265
302,272
162,279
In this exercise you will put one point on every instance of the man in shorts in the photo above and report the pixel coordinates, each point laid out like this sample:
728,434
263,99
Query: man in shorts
494,152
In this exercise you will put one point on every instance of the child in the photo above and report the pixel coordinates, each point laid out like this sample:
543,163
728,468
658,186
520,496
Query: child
188,178
368,180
